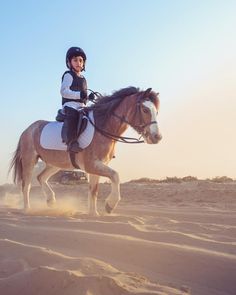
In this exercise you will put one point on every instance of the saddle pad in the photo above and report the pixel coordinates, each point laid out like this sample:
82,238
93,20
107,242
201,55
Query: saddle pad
51,136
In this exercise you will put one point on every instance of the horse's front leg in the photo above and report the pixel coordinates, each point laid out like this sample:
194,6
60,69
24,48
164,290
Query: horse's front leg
114,197
92,194
99,168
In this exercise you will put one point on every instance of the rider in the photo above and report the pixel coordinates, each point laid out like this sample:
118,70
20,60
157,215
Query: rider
74,95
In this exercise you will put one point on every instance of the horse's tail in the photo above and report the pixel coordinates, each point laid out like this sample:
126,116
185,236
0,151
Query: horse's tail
16,164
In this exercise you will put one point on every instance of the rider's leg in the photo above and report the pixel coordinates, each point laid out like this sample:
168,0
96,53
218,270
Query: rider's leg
70,125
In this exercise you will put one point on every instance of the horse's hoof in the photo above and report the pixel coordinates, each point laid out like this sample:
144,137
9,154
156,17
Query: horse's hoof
51,203
108,208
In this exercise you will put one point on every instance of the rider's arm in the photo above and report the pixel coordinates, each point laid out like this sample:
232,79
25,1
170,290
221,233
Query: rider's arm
66,92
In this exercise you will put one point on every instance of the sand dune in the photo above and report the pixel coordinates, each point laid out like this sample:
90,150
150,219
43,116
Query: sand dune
156,242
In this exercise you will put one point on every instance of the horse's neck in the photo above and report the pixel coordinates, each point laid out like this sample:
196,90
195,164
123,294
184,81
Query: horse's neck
123,111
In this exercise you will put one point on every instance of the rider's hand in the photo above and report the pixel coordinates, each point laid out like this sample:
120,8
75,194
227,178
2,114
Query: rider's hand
83,96
91,96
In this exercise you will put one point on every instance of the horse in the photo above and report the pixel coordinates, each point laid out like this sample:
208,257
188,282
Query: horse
113,114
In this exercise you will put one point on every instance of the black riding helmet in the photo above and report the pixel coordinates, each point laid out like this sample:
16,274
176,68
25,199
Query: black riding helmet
75,51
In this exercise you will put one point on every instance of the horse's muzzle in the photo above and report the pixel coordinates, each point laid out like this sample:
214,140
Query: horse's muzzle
151,138
158,137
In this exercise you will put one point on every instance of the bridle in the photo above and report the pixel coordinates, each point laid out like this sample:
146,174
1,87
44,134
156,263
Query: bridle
140,127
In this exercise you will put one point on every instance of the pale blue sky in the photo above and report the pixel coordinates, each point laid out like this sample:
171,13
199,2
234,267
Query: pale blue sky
183,49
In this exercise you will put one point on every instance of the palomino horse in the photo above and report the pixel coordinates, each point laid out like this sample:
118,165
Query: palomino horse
112,116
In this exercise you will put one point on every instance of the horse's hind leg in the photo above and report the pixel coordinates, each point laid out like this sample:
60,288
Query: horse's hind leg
28,164
46,188
92,194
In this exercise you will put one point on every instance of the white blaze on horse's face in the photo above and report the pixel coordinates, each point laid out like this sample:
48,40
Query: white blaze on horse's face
151,132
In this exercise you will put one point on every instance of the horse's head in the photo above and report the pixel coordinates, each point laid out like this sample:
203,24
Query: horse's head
132,107
146,116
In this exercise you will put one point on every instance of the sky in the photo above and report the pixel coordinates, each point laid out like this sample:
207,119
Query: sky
185,50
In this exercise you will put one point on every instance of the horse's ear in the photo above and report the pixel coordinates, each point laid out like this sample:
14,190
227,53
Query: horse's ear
146,92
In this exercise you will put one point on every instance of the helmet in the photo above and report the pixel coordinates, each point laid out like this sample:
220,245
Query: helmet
75,51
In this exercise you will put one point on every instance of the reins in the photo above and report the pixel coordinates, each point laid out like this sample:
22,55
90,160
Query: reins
118,138
96,94
139,128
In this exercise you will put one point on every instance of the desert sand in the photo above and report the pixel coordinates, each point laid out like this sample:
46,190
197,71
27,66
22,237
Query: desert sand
162,239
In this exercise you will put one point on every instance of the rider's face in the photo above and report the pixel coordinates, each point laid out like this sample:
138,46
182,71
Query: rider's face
77,63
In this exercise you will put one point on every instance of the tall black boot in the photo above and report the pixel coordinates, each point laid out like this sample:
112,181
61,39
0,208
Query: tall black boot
70,129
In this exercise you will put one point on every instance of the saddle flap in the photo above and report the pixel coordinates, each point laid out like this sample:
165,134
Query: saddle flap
51,135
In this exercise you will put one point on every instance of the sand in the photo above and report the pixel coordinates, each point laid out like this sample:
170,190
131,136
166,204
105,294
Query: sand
161,239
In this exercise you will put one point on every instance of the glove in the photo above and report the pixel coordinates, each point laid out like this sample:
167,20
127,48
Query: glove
91,96
83,96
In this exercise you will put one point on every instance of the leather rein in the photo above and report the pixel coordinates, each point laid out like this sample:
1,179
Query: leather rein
139,128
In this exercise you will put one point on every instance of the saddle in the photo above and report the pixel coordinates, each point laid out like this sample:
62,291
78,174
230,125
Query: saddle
81,126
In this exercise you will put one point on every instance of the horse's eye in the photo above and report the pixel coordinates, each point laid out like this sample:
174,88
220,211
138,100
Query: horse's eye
145,110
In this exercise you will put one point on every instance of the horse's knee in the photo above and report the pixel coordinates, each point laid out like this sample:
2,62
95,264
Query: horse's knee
41,179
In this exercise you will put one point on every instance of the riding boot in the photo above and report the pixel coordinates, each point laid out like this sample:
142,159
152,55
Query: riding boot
70,130
80,120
